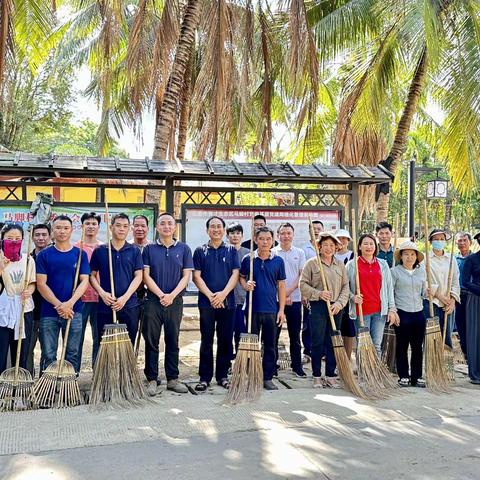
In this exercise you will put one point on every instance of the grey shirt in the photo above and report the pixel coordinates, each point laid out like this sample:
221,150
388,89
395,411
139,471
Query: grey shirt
239,293
409,288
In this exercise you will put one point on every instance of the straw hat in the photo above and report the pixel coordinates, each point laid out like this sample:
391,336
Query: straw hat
341,232
408,245
328,235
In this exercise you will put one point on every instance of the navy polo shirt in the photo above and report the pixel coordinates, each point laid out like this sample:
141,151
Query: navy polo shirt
266,274
125,262
167,264
387,256
216,266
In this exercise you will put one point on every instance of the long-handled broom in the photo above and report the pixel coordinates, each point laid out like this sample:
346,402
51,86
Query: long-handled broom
436,377
373,375
116,379
389,341
344,366
247,374
16,384
59,380
447,351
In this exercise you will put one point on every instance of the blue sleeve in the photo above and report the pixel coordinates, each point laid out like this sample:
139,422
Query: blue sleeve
187,258
41,264
84,266
198,259
235,260
138,262
146,256
95,261
467,276
281,270
245,267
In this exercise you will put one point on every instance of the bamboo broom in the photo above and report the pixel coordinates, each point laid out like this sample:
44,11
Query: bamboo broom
389,341
116,379
436,377
16,384
447,351
60,377
247,374
343,364
373,375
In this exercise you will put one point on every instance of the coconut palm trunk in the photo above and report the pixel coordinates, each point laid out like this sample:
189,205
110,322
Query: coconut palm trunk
401,136
168,109
4,30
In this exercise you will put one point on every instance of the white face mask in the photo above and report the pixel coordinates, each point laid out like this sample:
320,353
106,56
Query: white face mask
438,244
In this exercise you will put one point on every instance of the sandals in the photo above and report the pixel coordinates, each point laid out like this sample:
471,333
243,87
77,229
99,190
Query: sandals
331,382
317,382
404,382
201,386
224,383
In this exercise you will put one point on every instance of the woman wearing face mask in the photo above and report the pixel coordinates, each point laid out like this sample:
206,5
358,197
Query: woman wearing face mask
12,270
376,291
439,267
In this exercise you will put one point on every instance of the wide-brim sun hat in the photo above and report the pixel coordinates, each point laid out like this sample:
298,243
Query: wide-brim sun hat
341,232
331,235
408,245
437,231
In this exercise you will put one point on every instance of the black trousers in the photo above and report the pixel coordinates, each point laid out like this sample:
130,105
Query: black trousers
219,320
128,316
461,321
293,313
156,316
410,332
266,325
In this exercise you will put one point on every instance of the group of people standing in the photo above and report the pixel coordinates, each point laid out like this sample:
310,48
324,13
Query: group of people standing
150,280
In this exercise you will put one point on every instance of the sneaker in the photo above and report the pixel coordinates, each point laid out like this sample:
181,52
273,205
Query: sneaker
317,382
176,386
404,382
152,388
300,373
269,385
420,383
306,359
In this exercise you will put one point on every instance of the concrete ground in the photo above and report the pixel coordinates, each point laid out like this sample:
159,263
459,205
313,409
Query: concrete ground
295,432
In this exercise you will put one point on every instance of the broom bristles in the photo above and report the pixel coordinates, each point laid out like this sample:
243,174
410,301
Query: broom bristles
389,347
344,367
458,356
372,373
16,392
247,374
116,379
436,377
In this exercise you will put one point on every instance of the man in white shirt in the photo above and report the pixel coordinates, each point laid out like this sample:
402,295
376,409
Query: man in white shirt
294,259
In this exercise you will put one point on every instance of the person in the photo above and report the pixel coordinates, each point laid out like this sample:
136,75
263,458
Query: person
343,254
294,260
56,267
258,222
376,293
235,235
309,250
215,274
127,266
439,268
471,283
13,271
140,231
336,293
41,239
384,236
267,285
91,224
464,243
409,285
167,266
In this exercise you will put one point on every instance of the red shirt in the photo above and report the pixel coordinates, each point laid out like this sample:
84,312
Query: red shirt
370,284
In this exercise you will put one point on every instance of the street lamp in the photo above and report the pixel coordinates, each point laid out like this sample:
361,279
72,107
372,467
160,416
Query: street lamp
437,188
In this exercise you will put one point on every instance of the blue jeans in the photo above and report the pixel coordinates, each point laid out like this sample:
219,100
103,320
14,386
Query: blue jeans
376,324
89,311
49,330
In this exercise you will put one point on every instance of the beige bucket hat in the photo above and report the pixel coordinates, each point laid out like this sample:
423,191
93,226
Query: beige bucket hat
408,245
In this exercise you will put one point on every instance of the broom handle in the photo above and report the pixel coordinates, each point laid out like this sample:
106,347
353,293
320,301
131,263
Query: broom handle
322,273
110,262
355,263
449,288
397,226
22,312
250,278
69,320
427,260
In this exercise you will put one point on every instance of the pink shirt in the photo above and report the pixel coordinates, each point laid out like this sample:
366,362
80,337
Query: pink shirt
90,294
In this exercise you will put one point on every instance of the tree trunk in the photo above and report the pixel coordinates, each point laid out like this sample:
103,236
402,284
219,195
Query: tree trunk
401,137
185,108
175,83
4,28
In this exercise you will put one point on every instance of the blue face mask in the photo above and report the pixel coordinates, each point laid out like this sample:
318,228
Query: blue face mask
438,244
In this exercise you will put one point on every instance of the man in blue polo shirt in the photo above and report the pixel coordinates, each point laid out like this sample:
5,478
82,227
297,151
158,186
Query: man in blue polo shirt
268,284
127,268
56,267
167,266
216,274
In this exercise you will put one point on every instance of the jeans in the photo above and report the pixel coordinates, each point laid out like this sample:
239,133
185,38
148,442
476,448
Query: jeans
156,316
49,330
89,311
376,324
7,340
440,313
306,336
127,316
266,323
321,338
217,320
293,313
239,327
